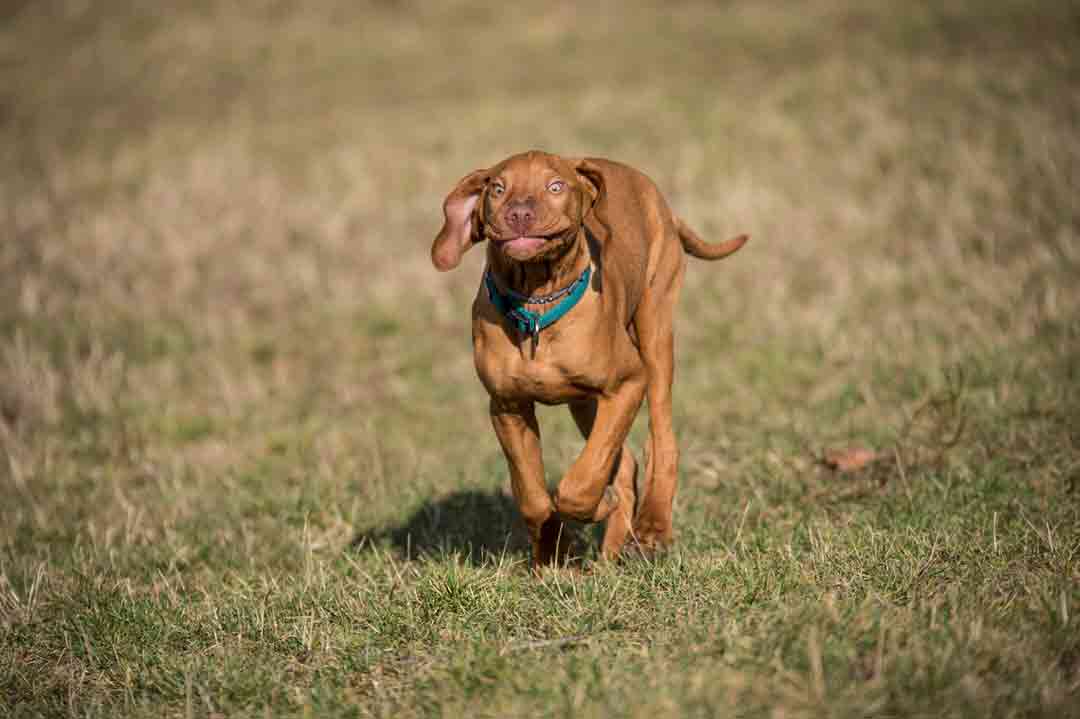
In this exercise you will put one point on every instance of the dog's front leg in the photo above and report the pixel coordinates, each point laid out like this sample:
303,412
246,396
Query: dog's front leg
519,434
584,493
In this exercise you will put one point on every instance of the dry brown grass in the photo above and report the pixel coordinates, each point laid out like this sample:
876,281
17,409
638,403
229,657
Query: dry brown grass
224,357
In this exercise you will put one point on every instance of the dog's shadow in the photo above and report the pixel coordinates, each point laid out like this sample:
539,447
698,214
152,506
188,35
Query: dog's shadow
480,527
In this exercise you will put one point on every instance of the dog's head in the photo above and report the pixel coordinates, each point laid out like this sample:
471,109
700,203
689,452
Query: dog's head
531,206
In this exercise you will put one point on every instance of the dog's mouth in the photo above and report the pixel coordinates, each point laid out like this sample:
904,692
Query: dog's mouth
523,245
528,245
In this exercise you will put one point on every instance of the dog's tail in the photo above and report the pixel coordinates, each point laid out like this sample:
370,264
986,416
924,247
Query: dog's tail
701,249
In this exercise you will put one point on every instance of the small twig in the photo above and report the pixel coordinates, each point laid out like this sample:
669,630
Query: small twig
742,521
925,565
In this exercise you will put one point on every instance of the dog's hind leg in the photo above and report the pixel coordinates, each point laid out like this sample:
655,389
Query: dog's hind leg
653,323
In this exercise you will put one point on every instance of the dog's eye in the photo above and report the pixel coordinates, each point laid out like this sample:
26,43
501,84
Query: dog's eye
498,189
556,187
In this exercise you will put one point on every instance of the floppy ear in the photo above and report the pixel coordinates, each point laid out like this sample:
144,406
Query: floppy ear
460,230
592,179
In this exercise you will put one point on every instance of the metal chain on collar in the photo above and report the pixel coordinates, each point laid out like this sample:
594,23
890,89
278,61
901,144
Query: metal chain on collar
542,299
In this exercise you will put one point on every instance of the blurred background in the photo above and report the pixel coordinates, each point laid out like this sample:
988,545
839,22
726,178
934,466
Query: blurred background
218,215
219,325
217,221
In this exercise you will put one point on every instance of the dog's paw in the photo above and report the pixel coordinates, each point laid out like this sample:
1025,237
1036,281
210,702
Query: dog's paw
575,508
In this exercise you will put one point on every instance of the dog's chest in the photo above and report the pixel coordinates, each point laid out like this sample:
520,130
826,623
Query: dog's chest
562,369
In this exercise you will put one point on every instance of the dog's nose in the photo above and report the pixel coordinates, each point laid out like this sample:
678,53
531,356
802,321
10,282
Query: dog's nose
519,216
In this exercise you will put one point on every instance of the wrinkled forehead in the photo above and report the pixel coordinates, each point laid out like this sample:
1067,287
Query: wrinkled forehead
533,167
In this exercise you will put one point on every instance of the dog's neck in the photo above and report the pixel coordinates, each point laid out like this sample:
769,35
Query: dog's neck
542,277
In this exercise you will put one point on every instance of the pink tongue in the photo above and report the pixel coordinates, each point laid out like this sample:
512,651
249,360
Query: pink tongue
524,244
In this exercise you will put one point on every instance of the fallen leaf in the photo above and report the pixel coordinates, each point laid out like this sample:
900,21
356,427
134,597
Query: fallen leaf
849,459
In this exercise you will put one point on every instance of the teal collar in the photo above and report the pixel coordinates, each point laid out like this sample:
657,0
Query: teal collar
512,305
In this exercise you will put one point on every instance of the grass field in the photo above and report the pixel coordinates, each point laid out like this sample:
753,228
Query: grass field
247,468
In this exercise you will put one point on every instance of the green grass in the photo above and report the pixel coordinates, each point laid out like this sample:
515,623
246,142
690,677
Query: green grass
247,467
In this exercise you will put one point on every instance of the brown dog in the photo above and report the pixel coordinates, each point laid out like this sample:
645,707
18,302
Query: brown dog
593,243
